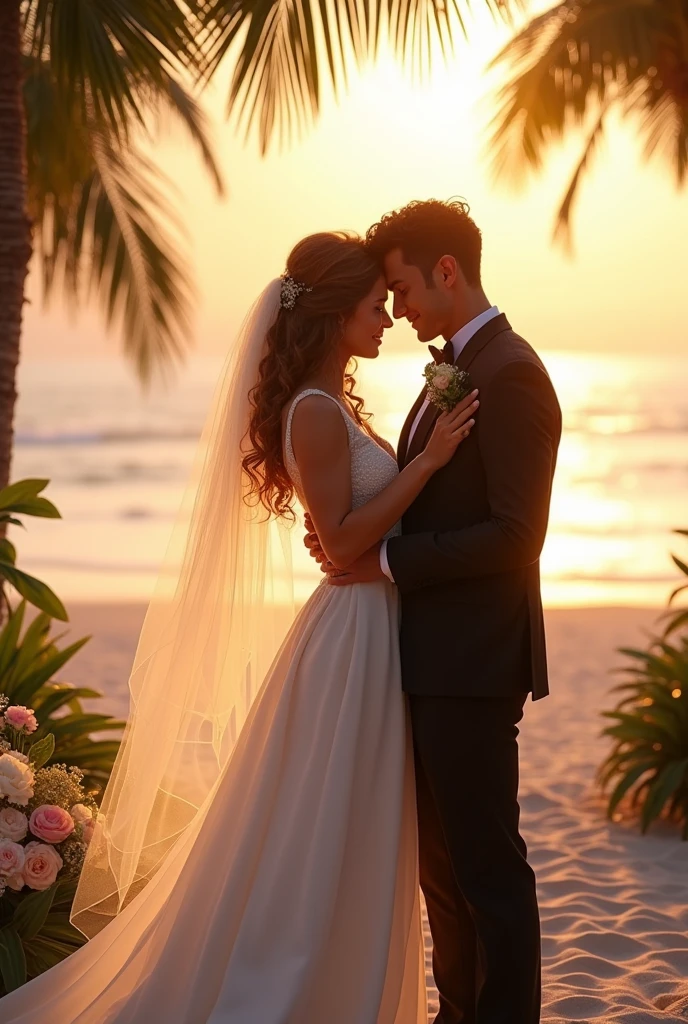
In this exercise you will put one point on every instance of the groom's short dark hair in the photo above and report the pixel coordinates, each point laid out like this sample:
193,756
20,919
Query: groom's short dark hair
426,230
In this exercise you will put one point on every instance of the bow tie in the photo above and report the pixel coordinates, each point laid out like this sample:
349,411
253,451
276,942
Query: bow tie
446,355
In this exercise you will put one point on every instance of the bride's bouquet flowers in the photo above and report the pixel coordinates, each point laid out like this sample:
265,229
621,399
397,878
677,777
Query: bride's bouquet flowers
447,385
46,817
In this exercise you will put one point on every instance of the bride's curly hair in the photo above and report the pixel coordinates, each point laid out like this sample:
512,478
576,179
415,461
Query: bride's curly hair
341,272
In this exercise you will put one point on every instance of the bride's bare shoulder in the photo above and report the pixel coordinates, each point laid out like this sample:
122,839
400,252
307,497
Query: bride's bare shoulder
317,424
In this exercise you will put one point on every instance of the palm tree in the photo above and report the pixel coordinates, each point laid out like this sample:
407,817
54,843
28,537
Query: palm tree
80,87
578,62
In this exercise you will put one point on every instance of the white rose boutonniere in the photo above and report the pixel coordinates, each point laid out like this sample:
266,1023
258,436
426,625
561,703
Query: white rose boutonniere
447,385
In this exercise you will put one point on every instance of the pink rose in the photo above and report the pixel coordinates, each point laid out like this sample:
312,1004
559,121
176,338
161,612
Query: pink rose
13,824
11,858
51,823
20,717
41,865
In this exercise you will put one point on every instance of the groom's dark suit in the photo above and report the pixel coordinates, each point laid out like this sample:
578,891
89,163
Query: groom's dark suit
472,647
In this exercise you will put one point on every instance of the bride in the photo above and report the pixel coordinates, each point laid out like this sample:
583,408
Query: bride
254,861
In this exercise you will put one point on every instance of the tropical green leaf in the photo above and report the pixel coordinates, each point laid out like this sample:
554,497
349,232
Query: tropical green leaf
681,565
5,518
9,638
42,750
628,780
12,959
21,491
36,592
74,725
56,695
8,552
34,678
29,651
40,507
672,775
46,953
30,915
65,890
678,621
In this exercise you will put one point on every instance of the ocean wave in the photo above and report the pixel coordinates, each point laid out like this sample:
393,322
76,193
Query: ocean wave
103,437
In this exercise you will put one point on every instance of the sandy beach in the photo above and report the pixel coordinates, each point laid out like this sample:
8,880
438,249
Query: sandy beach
614,904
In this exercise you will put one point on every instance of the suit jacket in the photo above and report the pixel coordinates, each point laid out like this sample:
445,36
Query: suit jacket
467,562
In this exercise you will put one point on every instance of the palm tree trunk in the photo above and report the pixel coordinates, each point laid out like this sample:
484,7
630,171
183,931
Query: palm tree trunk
15,225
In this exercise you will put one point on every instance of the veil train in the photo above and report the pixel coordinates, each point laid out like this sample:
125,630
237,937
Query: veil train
222,605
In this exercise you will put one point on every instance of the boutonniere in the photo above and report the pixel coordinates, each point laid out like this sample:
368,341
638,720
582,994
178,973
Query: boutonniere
447,385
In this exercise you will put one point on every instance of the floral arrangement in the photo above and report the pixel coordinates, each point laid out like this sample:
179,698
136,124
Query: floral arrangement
447,385
46,817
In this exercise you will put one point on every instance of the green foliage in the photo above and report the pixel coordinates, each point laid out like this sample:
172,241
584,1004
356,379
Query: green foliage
27,665
35,932
648,765
23,498
678,618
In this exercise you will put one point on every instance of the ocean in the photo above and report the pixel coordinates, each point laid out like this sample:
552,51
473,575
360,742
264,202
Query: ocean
118,462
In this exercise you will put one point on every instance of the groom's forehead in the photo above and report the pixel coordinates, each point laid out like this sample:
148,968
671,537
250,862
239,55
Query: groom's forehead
397,272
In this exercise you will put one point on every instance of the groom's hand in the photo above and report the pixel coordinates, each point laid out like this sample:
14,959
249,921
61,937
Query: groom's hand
312,542
365,569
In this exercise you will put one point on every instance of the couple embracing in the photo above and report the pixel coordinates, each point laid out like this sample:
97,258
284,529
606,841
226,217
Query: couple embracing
374,745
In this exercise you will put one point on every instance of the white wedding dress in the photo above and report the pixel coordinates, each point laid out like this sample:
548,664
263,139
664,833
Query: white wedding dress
298,902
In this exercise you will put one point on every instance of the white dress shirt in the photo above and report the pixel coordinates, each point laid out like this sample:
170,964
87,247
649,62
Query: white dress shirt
459,342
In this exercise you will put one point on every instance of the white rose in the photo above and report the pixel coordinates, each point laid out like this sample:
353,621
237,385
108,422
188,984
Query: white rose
442,376
17,754
81,813
13,824
16,780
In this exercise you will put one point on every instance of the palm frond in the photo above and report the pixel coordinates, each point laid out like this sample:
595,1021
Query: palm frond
184,107
285,48
102,223
563,64
665,127
562,226
85,39
570,65
134,268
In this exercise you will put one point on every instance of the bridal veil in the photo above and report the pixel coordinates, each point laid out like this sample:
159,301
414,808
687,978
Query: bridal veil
220,608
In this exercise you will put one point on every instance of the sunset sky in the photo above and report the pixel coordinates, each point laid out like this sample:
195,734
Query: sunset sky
388,141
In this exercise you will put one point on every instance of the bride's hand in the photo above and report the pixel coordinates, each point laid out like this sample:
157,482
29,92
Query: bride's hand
450,429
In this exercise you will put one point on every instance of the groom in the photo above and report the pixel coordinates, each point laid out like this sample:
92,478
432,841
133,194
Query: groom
472,633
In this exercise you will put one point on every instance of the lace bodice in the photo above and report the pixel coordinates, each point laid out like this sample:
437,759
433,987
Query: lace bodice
372,468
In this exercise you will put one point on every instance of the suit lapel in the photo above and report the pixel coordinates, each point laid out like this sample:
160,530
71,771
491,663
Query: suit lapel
478,342
406,429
